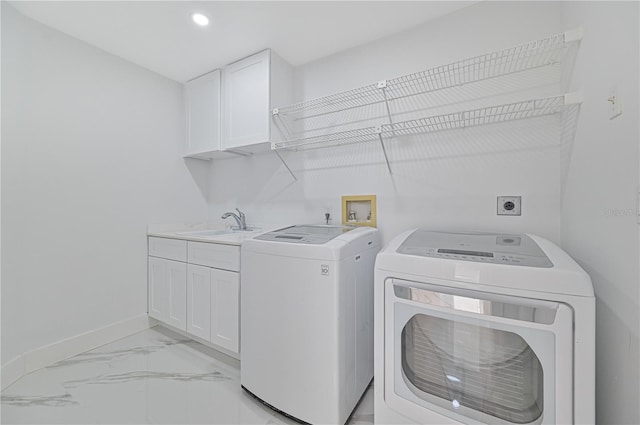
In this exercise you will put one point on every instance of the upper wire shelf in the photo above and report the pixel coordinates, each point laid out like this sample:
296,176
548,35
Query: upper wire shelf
309,117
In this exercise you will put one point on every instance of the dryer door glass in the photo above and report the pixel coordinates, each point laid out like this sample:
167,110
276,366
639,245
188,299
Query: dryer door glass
491,371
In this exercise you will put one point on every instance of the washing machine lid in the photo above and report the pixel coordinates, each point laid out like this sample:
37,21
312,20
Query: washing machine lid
516,249
305,233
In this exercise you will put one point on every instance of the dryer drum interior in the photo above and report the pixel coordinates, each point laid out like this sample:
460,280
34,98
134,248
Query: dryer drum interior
491,371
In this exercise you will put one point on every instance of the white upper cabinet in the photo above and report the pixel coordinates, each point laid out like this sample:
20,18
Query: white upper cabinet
250,89
246,101
202,103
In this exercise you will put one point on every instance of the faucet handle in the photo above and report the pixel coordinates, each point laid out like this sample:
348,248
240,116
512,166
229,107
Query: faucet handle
242,222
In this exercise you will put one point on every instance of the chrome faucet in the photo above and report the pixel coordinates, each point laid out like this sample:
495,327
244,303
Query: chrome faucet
240,218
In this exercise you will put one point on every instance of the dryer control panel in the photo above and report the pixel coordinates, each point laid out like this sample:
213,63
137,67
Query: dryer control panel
517,250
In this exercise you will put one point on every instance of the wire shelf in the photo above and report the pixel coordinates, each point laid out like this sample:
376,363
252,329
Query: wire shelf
329,140
475,117
536,54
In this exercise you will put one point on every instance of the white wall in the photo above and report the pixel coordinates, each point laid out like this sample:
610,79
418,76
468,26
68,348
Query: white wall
454,182
599,221
448,180
79,126
91,152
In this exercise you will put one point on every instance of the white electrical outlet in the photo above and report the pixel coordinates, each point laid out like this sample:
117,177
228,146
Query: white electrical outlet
509,205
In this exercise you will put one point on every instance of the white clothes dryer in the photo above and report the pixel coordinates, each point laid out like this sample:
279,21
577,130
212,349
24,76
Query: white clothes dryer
482,328
307,319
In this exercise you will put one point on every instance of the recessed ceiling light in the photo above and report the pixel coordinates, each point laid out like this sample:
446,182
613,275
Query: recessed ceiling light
200,19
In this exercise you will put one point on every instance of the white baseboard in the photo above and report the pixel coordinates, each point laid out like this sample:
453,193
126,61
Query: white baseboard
53,353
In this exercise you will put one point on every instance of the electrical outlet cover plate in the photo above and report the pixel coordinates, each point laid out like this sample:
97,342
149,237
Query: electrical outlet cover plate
509,205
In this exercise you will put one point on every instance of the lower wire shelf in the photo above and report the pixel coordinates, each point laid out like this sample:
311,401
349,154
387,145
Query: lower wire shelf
457,120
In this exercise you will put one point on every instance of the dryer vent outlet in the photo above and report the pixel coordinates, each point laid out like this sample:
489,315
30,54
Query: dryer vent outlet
509,205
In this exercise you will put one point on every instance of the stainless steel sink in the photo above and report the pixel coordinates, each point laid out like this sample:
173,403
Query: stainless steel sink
210,232
205,232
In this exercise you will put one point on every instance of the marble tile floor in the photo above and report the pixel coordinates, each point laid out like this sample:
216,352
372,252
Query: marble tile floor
153,377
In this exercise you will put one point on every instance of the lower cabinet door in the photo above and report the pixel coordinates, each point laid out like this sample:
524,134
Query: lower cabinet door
158,289
168,291
177,276
225,309
199,301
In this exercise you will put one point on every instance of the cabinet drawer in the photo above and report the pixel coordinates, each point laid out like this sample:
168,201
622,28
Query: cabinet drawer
220,256
172,249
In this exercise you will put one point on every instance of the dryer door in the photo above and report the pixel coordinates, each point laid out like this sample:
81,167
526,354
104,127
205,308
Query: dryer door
471,356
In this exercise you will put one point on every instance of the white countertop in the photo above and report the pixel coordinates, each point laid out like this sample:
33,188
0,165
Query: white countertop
234,238
197,231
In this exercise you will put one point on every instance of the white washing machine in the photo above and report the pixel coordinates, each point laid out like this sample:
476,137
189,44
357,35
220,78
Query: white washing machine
307,319
482,328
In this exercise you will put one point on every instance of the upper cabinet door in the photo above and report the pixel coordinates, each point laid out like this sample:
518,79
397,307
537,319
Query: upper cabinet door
202,101
246,103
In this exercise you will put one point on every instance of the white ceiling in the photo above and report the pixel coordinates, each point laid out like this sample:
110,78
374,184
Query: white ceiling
160,36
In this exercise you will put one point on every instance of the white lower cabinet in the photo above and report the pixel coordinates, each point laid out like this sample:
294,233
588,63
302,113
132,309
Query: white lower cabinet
202,300
198,301
225,309
168,291
213,305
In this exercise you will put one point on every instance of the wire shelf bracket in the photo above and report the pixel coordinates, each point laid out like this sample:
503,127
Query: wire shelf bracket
281,126
384,151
